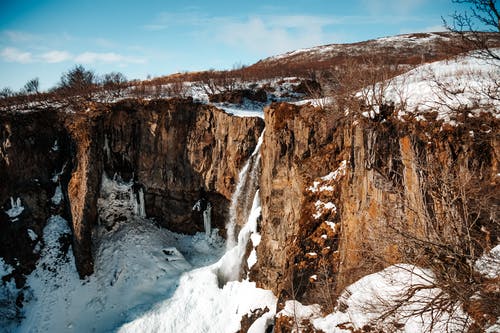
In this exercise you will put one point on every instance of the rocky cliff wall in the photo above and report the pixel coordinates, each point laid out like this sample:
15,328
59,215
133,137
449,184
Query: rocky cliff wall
34,162
339,194
175,151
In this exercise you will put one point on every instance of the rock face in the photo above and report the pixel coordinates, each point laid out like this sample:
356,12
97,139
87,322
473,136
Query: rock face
332,187
178,151
175,151
34,161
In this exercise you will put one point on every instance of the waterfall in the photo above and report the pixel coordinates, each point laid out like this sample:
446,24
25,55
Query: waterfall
230,265
245,189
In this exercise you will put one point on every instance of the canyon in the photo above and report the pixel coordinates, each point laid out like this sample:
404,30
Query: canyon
332,194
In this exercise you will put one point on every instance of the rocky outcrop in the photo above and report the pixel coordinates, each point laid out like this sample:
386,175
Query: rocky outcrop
238,96
341,194
84,185
175,151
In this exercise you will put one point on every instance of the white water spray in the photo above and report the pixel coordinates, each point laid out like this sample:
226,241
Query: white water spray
245,176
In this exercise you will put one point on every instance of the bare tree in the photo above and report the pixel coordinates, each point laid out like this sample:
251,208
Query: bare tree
32,86
6,92
78,83
114,83
481,16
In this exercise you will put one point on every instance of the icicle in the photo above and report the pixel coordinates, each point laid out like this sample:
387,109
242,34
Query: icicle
142,208
207,219
106,148
16,208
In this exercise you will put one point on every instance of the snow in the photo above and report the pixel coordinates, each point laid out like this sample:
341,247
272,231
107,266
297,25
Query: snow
489,264
331,225
322,207
210,299
244,110
5,269
366,300
370,297
8,294
16,208
331,177
136,265
334,175
58,195
447,86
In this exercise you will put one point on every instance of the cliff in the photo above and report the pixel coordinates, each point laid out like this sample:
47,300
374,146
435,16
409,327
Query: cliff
345,196
34,160
175,152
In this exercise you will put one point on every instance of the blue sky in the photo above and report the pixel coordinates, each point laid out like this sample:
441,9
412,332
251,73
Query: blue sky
140,38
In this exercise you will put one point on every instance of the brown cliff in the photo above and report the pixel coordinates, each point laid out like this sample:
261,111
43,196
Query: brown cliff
386,181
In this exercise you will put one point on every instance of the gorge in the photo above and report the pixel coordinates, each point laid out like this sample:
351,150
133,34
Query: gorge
309,199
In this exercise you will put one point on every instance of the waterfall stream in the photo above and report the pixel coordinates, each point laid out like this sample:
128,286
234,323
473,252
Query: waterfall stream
245,191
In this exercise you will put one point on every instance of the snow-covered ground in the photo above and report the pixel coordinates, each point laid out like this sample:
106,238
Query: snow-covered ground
211,299
378,295
449,86
136,265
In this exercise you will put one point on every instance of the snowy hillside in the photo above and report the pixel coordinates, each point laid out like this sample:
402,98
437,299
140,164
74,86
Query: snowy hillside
468,82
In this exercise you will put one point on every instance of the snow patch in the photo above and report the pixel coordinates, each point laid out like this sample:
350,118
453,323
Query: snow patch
489,264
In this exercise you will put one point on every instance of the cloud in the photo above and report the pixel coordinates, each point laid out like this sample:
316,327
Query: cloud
109,57
12,54
275,34
55,56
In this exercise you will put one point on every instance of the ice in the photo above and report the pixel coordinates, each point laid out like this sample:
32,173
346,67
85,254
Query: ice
58,195
32,235
16,208
207,219
247,174
55,146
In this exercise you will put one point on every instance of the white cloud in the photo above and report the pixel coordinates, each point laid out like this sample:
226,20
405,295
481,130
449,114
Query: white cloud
56,56
109,57
12,54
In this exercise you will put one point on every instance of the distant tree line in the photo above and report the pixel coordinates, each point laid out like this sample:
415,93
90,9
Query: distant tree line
77,85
